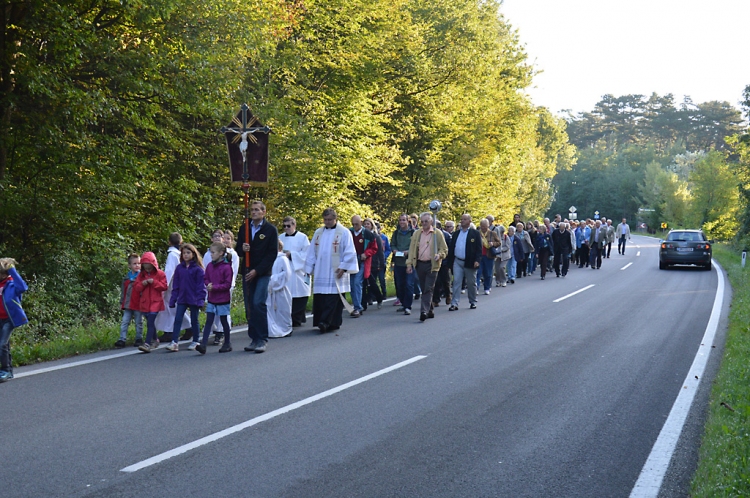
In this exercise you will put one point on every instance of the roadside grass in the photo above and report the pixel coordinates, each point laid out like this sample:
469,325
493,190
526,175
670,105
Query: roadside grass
724,455
102,335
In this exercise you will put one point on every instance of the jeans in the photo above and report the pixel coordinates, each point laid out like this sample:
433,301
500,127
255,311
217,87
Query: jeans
127,317
404,285
621,244
150,326
511,269
255,293
485,272
180,313
6,363
356,282
531,268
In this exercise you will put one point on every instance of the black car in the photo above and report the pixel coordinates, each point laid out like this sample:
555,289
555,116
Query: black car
685,247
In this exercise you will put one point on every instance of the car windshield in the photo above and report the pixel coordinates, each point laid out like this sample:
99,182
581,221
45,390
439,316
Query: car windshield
685,236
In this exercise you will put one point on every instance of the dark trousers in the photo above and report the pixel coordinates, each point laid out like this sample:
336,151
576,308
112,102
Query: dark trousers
543,256
194,325
255,293
404,285
621,244
427,282
596,256
151,327
442,285
327,310
299,310
370,287
210,324
6,360
486,265
561,258
381,282
608,249
583,256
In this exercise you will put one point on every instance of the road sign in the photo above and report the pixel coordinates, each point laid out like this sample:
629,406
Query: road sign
664,225
572,209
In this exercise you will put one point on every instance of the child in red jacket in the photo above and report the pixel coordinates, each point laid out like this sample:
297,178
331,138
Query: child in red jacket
150,284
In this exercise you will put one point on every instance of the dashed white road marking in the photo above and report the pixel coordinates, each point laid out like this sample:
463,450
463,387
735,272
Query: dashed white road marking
638,253
652,475
254,421
573,293
625,267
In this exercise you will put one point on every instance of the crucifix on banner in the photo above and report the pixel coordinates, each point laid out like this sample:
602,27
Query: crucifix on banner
248,157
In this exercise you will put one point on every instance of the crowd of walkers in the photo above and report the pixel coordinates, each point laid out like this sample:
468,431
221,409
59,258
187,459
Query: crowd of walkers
430,261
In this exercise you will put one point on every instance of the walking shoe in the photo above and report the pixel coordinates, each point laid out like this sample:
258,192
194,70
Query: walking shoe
201,348
453,308
323,327
173,347
193,345
380,304
512,280
5,376
487,292
138,342
187,335
355,314
463,291
225,348
407,311
417,295
261,347
503,284
430,314
217,338
252,346
422,317
400,309
498,284
472,306
145,348
120,344
397,303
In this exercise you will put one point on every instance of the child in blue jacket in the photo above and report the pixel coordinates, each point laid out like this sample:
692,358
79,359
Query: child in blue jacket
11,312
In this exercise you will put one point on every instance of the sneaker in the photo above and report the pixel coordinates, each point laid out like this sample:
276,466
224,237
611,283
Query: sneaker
145,348
503,284
201,348
355,314
5,376
225,348
252,346
217,338
407,311
453,308
463,291
138,342
487,292
173,347
397,303
472,306
120,344
193,345
261,347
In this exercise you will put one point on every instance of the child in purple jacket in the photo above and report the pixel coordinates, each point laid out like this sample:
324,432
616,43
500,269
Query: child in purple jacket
218,279
188,292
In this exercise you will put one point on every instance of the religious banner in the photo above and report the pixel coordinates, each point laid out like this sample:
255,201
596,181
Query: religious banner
257,149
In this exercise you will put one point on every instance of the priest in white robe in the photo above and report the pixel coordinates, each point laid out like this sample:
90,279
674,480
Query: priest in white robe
165,319
295,248
331,257
279,300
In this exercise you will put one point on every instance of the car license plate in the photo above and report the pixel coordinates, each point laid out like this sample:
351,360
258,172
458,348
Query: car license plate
684,249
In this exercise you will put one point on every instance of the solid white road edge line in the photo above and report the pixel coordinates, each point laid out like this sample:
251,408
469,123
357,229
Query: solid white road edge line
651,477
625,267
234,330
254,421
573,293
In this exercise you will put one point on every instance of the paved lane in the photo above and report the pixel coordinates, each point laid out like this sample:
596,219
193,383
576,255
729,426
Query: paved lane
522,397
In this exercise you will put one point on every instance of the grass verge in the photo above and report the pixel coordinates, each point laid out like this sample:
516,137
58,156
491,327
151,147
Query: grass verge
724,455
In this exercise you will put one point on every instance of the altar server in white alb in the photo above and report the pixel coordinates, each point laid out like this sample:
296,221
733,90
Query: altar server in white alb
165,319
295,248
331,258
279,300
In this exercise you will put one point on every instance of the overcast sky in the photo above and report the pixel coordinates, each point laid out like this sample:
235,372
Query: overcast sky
588,48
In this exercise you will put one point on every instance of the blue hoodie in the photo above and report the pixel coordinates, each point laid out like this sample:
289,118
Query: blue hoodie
12,298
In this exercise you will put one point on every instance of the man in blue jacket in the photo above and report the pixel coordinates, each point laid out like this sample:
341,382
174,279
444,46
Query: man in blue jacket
464,254
12,315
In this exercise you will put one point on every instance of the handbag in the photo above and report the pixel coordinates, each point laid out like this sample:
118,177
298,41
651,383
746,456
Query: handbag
496,250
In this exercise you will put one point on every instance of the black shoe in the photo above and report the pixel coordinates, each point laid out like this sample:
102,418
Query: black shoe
472,306
296,324
557,275
187,336
225,348
323,327
120,344
542,277
430,314
512,280
417,296
453,307
201,348
252,346
261,347
217,338
422,317
138,342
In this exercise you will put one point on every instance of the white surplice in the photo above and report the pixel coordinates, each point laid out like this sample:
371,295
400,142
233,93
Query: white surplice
165,319
331,249
279,300
297,245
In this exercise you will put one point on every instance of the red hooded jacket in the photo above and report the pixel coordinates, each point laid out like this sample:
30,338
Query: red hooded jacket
151,295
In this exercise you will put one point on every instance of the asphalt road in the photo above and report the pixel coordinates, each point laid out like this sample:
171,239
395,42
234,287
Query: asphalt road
521,397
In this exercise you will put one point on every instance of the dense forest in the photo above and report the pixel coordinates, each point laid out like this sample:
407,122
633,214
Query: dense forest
110,113
655,161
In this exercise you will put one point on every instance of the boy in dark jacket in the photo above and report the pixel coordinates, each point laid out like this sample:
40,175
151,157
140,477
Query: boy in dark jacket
12,315
129,304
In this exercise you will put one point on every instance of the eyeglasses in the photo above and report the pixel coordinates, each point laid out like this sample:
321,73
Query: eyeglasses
287,226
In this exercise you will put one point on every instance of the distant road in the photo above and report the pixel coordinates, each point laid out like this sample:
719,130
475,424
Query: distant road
529,395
